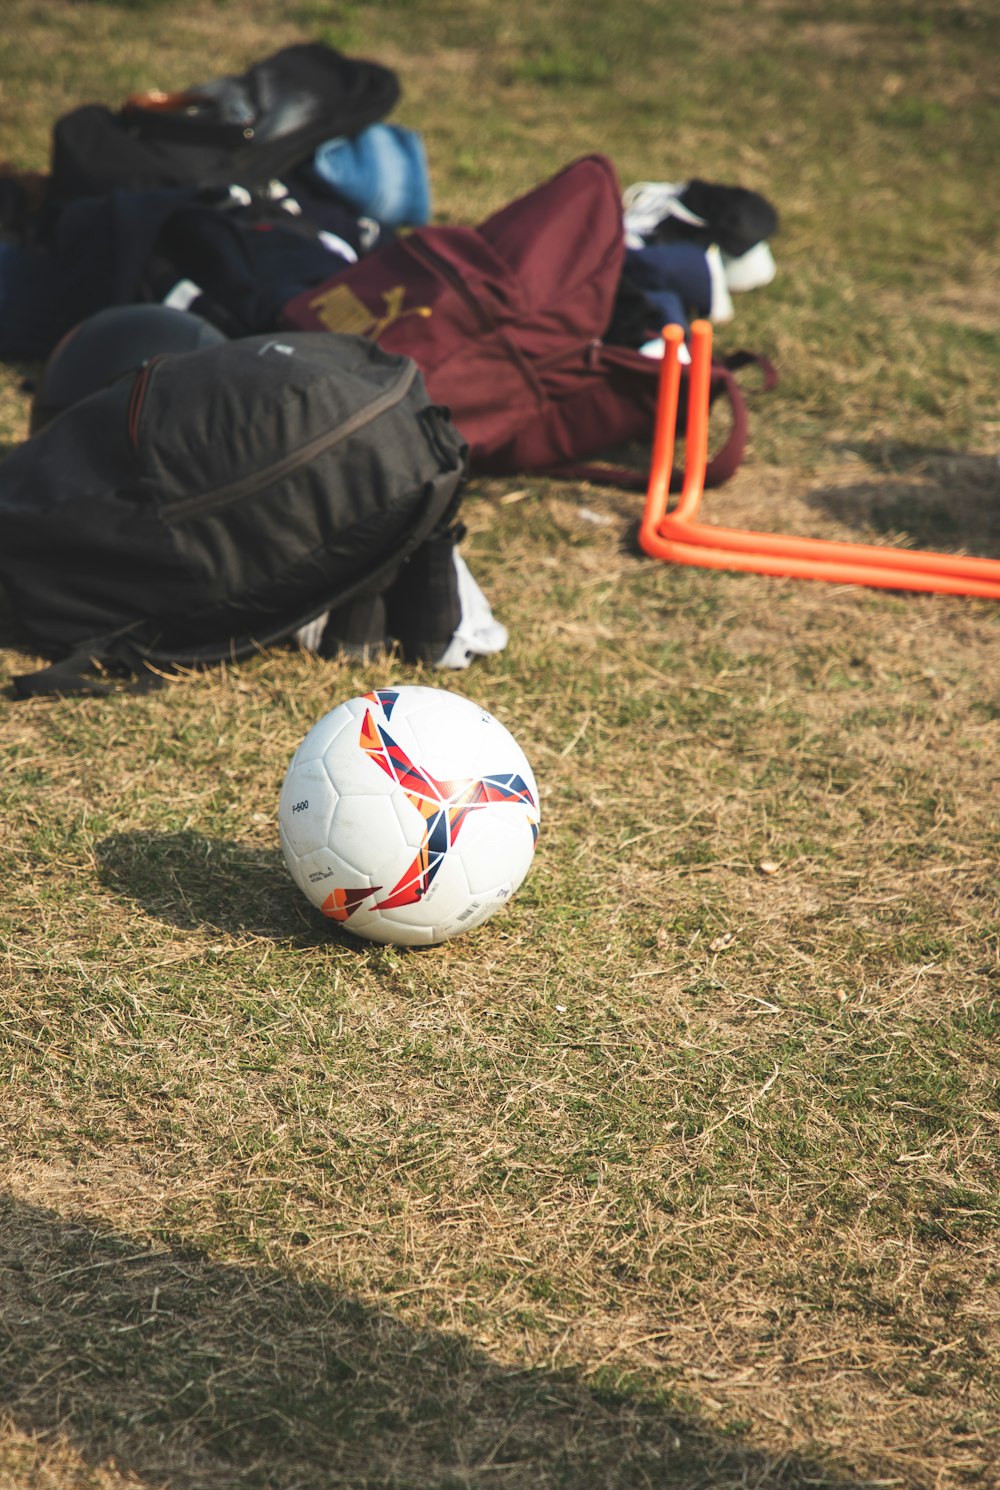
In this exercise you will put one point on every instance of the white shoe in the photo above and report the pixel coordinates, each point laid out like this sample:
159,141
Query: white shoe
657,347
751,270
721,309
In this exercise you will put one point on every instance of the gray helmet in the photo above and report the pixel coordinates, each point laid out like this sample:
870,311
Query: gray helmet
109,343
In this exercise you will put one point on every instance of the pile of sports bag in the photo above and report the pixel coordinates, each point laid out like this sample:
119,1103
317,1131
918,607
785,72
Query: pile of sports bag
290,463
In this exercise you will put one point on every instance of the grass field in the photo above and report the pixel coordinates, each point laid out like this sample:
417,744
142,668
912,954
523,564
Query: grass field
683,1170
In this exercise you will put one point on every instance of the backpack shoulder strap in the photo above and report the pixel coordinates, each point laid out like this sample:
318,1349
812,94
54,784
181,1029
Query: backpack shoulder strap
92,668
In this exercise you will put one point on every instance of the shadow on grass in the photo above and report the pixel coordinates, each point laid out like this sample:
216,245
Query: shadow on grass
191,881
939,498
196,1375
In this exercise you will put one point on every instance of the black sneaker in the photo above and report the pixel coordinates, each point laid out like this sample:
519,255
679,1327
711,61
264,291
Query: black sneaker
735,217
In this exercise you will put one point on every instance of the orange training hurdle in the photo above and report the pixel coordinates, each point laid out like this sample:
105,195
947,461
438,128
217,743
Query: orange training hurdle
680,538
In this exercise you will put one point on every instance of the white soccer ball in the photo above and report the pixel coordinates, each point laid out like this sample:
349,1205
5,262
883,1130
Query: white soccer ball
408,815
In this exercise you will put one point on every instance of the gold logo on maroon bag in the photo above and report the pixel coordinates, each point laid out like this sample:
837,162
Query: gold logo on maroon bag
339,309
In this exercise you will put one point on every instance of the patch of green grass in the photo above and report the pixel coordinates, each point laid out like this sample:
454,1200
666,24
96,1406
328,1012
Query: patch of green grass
559,67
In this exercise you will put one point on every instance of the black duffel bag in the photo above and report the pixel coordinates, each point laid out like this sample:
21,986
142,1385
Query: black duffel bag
242,130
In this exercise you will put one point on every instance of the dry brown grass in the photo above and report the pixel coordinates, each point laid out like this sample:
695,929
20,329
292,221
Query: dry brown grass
682,1171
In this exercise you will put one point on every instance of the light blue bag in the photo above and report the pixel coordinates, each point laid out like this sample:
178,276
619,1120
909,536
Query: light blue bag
382,172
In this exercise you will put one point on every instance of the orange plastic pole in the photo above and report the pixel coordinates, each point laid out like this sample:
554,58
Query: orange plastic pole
678,538
664,430
696,434
904,563
688,550
667,395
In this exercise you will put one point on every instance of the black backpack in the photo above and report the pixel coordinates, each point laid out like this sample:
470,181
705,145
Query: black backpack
214,502
240,130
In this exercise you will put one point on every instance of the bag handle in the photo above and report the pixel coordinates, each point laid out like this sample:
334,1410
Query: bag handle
184,119
726,460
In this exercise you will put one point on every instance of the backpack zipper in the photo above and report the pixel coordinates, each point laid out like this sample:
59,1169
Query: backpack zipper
135,401
420,250
245,486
